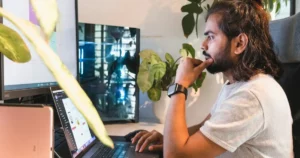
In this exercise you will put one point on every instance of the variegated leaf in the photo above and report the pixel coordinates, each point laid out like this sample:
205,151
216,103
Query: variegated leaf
46,12
13,46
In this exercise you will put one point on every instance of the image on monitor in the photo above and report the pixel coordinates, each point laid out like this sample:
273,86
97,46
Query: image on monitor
108,63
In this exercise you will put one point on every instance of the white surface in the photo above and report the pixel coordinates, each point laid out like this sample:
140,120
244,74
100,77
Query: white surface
284,11
123,129
297,6
160,24
35,71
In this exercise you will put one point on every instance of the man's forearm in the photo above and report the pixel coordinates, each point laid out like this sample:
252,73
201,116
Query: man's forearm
175,130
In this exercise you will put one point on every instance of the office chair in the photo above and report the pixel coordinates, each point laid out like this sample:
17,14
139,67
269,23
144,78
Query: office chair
286,37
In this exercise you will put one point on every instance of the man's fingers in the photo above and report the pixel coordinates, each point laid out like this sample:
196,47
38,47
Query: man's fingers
156,147
138,136
203,65
141,141
147,141
195,61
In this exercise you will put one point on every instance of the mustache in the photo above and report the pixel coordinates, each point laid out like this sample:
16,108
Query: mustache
206,54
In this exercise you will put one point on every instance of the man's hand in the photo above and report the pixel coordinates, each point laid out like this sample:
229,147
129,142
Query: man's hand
145,138
189,70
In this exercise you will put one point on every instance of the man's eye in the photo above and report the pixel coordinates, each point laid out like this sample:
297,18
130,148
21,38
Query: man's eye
210,37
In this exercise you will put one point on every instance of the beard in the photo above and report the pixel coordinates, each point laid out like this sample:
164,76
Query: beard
222,62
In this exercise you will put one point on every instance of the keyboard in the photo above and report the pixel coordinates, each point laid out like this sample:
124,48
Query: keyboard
59,137
105,152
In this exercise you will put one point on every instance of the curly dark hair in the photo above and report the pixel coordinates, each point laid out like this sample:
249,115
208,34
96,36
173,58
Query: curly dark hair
249,17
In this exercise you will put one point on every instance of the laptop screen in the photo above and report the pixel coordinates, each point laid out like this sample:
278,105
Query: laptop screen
77,132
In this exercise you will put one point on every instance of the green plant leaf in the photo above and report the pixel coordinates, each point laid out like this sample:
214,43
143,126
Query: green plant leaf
196,28
188,24
198,83
46,12
154,94
184,53
154,60
192,8
148,53
195,87
200,80
189,48
271,5
169,58
265,4
158,70
13,46
278,6
175,69
144,79
63,76
208,6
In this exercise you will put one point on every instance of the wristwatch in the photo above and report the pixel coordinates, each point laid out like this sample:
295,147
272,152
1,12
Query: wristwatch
177,88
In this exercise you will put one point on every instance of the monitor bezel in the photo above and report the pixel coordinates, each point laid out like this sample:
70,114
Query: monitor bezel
13,94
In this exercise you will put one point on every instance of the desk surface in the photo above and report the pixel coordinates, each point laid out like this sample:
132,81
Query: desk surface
123,129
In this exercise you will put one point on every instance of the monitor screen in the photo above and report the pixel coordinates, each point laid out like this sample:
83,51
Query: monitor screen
34,75
108,63
76,129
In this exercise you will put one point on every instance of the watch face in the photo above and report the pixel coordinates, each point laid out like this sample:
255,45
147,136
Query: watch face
171,89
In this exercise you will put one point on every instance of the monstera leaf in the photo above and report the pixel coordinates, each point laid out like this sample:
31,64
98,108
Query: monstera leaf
64,78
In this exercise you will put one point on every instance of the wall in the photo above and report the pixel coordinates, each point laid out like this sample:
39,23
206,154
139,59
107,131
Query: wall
297,6
160,24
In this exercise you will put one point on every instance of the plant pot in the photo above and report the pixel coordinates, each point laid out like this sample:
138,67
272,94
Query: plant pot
160,107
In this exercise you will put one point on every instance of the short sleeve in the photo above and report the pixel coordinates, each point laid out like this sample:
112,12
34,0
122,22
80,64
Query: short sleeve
236,120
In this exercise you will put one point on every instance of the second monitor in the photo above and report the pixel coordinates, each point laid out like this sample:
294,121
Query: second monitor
108,63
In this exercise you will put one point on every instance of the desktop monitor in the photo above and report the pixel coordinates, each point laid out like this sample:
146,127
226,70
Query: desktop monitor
108,63
33,78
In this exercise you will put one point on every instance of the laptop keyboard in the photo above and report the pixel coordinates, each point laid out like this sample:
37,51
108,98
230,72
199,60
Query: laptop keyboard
59,137
105,152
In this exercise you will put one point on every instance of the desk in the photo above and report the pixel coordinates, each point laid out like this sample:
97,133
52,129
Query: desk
123,129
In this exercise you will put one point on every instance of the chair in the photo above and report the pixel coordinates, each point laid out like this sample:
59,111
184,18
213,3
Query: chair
286,37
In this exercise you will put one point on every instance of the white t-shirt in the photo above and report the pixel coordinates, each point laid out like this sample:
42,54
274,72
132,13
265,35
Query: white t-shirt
252,120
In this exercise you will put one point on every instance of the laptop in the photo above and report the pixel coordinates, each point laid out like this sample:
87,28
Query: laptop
80,139
26,131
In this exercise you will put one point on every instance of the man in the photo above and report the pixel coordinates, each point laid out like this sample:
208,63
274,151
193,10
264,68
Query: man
251,117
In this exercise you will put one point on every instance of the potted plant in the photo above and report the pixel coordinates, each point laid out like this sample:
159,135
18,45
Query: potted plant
14,48
156,75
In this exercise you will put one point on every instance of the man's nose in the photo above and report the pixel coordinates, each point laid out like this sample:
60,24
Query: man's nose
204,45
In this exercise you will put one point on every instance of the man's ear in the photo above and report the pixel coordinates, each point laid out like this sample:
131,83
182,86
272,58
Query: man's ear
240,43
